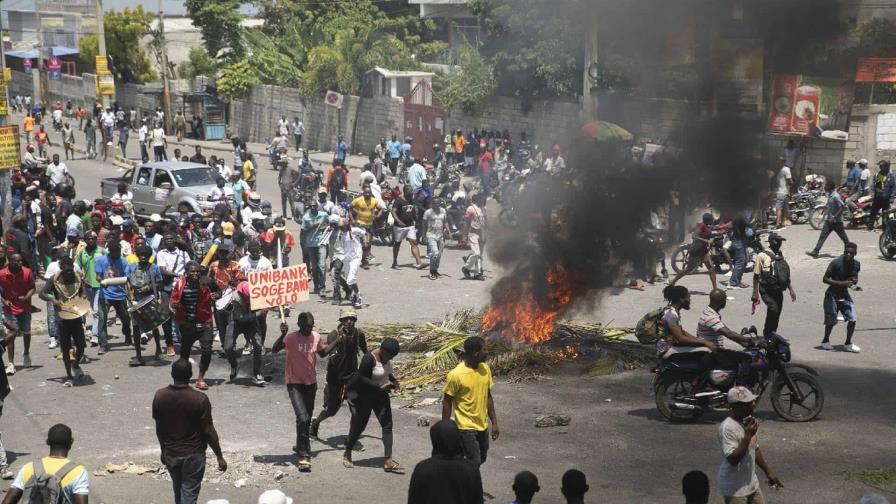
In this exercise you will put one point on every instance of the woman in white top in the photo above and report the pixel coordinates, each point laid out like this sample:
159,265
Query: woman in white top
369,389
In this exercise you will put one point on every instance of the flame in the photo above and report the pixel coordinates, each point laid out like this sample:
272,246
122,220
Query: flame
524,317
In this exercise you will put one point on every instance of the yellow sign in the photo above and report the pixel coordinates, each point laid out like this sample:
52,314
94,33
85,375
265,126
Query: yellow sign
4,109
102,65
7,74
10,153
105,85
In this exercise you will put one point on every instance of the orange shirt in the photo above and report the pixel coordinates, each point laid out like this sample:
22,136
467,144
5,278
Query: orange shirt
42,137
29,124
459,144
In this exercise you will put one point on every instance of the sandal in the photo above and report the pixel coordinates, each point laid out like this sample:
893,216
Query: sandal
394,468
347,463
201,385
304,465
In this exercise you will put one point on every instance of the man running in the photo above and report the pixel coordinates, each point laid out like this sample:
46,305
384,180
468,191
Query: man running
833,220
771,277
842,273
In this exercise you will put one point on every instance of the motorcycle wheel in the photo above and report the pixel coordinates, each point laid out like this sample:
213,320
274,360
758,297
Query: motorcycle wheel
800,213
882,245
794,411
816,218
722,266
680,258
667,390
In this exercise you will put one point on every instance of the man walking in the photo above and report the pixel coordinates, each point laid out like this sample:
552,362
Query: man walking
17,285
341,150
112,265
833,220
185,430
771,277
468,395
74,483
783,185
884,191
298,129
842,273
474,228
434,226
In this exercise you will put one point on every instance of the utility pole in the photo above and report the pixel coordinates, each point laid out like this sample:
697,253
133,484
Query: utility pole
5,183
37,97
101,40
163,60
590,76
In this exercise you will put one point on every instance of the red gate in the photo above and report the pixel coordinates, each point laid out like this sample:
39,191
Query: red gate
424,120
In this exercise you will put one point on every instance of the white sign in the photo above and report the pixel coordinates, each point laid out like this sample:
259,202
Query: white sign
333,99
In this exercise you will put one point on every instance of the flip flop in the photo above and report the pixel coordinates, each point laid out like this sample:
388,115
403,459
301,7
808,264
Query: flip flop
346,463
395,469
201,385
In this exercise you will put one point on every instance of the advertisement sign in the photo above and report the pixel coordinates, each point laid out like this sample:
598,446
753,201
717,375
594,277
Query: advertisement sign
4,108
279,287
27,64
810,106
102,65
7,75
876,70
10,150
54,67
333,99
105,85
737,69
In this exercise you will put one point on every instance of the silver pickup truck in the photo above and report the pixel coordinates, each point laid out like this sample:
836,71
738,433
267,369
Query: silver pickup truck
156,185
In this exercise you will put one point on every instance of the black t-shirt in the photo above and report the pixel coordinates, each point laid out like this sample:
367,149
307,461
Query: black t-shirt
344,359
198,158
405,211
840,270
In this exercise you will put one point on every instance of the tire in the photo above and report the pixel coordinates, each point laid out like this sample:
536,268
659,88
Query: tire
816,217
679,258
801,216
784,406
882,245
666,390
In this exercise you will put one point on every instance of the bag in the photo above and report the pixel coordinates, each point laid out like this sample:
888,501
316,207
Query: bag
45,488
650,328
778,276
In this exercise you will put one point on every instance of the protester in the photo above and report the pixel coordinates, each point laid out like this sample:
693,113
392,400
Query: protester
771,277
17,286
741,453
346,341
573,486
445,477
191,305
404,227
185,430
31,483
698,251
314,223
144,281
841,275
244,321
63,287
467,395
474,230
108,267
434,228
366,209
783,187
833,220
695,487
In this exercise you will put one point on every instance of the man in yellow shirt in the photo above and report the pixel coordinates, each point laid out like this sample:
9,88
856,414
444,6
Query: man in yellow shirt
468,395
74,484
248,170
366,209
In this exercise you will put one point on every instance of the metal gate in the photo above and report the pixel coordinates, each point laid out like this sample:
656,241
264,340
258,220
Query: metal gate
424,120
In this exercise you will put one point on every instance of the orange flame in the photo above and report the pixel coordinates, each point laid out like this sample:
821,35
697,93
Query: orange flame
522,317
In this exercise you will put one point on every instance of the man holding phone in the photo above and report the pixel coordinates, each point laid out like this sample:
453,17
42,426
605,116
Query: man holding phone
842,273
738,483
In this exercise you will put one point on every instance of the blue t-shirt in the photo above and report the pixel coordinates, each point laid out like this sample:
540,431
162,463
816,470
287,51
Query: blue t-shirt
852,179
394,147
119,268
341,149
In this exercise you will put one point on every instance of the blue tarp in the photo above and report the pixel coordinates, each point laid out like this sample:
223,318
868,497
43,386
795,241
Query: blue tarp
58,51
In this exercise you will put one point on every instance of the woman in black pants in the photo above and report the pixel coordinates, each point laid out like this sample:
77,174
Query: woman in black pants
369,389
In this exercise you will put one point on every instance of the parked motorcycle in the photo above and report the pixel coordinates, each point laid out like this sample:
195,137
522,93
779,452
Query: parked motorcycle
856,215
684,391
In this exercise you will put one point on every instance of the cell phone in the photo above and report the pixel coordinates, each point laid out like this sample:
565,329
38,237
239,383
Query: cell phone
748,419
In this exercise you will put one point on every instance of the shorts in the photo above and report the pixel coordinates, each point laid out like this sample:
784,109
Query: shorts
22,321
400,234
351,278
832,306
780,201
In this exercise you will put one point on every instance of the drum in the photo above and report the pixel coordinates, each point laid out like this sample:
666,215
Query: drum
74,308
226,297
148,314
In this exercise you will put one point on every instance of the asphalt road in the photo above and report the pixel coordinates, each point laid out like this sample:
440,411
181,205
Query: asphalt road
616,437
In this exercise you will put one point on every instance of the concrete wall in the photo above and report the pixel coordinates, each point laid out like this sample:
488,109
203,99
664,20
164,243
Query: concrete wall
545,123
378,117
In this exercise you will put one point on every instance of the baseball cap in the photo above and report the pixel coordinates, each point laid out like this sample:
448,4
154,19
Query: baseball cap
322,190
740,394
279,224
863,161
72,232
155,217
227,227
347,313
274,497
117,220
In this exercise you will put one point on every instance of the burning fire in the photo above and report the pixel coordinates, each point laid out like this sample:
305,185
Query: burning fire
523,316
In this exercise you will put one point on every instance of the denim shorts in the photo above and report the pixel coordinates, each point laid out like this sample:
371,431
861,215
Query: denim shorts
832,306
22,321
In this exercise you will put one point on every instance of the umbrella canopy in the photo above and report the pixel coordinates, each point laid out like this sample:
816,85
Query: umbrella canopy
604,131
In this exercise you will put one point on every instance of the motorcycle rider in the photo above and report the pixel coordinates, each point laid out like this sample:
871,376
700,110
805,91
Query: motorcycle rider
711,328
677,341
884,191
31,162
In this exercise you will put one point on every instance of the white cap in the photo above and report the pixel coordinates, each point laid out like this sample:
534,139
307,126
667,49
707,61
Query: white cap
155,217
740,394
117,220
863,161
274,497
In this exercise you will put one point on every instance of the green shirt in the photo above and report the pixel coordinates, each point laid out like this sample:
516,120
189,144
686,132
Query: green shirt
86,261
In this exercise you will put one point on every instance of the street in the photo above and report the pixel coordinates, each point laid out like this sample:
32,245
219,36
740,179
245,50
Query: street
616,437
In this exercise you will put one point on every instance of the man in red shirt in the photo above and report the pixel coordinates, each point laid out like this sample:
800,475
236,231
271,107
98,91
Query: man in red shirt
485,174
17,285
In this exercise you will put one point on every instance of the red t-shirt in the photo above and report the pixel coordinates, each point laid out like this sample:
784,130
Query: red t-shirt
13,286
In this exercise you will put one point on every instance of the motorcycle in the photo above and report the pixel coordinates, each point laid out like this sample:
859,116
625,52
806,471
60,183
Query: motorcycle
717,252
855,214
887,241
684,391
303,191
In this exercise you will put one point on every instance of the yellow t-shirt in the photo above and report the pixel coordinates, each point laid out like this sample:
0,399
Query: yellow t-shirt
459,145
469,391
29,124
75,482
248,171
365,210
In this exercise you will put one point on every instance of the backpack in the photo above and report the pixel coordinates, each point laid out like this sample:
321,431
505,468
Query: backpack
778,276
650,328
45,488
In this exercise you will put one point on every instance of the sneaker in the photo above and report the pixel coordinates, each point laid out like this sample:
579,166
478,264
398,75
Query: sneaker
26,360
234,370
54,343
103,349
359,302
6,474
68,383
813,254
144,338
10,369
259,380
826,346
169,352
304,464
247,351
314,427
852,347
465,271
432,276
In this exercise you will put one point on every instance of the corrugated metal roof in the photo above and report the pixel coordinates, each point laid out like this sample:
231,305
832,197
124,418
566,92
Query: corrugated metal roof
33,53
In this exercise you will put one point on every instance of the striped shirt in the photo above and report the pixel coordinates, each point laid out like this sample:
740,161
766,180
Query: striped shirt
709,326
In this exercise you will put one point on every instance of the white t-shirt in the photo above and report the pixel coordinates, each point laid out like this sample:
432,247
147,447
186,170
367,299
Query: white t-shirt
351,244
783,176
248,265
172,261
216,193
739,480
128,196
54,268
435,223
144,130
866,174
57,172
158,137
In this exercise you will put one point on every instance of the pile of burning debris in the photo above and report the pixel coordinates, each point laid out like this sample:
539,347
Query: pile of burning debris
430,350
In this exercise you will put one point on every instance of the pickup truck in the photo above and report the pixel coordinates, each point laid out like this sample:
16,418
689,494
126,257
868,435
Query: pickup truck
156,185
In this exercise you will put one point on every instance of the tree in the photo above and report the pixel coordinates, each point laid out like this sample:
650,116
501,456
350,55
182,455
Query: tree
127,60
470,84
219,23
198,63
236,80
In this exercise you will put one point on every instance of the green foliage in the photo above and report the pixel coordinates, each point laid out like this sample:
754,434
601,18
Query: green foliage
276,59
219,23
127,60
87,51
877,38
470,85
198,63
236,80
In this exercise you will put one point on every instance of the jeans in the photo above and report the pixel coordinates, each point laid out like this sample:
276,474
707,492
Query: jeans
143,152
52,326
159,152
774,301
286,201
475,446
381,406
186,473
91,145
317,259
434,249
121,308
302,399
739,247
876,206
835,226
298,140
484,182
339,270
190,333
